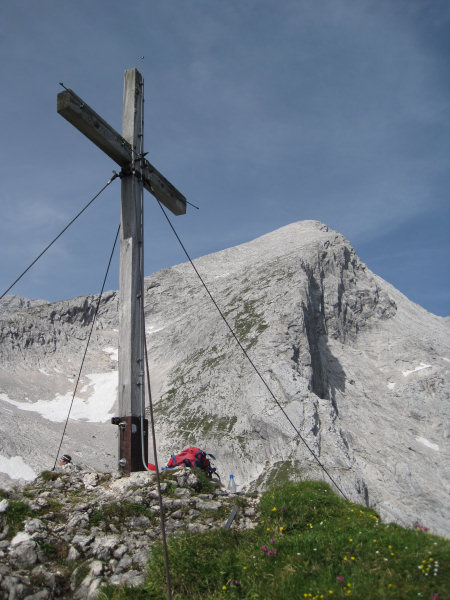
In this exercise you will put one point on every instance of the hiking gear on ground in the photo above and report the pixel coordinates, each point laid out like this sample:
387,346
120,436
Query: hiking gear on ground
191,457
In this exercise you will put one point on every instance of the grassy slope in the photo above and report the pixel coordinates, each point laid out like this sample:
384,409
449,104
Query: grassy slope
309,544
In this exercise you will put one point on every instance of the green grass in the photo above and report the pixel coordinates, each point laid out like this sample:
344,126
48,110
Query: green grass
247,321
18,511
15,516
277,474
309,544
206,486
50,476
119,510
55,550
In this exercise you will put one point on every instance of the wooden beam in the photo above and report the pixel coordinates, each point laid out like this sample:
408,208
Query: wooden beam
163,190
85,119
131,326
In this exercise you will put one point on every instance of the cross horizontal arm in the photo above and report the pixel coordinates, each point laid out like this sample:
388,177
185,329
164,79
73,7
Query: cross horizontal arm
85,119
162,189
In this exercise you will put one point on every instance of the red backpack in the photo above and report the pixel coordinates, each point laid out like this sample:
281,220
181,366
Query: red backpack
192,457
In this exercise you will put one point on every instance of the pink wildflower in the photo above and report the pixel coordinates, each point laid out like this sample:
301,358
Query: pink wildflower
340,578
264,548
273,540
420,527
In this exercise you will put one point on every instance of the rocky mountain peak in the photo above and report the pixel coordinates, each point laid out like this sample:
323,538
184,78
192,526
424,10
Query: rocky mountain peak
360,370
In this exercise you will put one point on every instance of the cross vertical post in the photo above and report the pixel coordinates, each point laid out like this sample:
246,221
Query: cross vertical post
137,173
131,339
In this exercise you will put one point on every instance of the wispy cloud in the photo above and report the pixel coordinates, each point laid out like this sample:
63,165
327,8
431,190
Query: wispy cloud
262,112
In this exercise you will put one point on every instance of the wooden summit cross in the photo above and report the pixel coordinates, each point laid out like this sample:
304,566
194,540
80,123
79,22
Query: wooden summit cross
137,173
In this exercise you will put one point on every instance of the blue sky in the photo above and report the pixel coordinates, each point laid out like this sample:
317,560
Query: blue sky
262,112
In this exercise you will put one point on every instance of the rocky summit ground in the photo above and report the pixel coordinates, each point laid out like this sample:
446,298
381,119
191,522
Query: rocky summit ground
67,533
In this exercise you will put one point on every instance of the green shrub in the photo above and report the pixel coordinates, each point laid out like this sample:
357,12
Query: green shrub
50,475
80,573
120,510
55,550
206,486
15,515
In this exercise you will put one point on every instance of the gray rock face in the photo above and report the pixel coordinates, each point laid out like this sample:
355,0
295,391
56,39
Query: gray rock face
11,304
362,372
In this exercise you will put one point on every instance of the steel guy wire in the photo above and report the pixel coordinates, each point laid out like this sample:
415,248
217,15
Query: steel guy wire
87,345
115,175
144,358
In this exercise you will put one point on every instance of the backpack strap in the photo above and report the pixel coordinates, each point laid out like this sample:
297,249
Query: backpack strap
201,460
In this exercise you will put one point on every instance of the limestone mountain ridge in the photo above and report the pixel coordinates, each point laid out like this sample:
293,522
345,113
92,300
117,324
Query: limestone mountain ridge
361,371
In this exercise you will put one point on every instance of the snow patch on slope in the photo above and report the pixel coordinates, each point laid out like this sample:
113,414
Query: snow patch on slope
420,368
427,443
113,353
96,408
16,468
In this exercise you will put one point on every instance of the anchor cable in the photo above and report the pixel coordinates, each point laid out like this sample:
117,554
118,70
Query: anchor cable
158,478
145,371
87,345
248,357
115,175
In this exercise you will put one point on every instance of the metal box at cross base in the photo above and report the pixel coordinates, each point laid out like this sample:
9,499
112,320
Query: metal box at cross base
130,443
